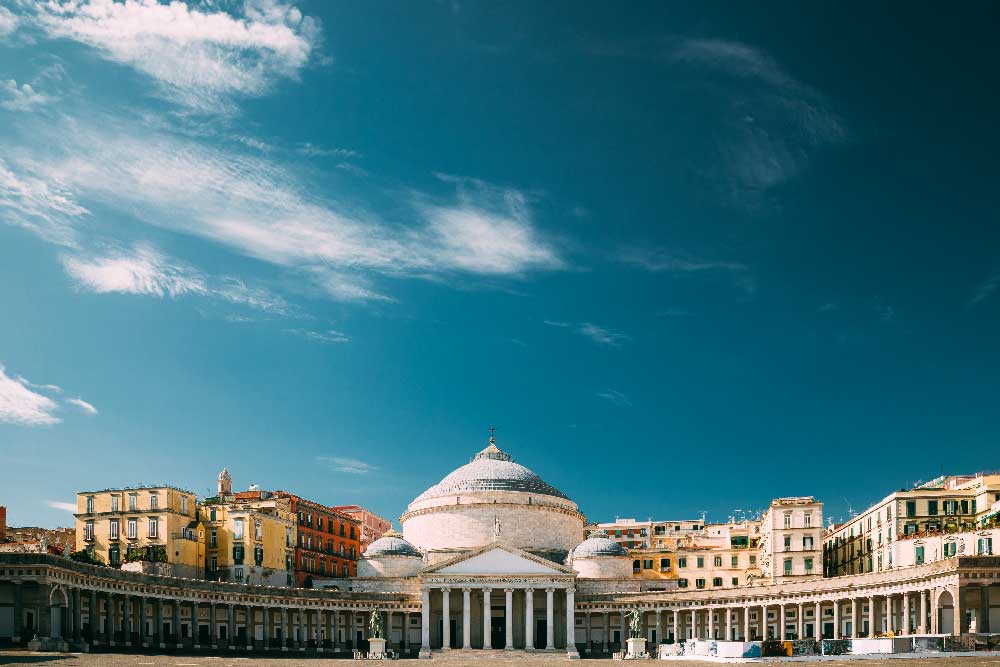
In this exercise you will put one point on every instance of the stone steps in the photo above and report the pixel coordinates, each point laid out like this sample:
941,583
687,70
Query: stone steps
465,657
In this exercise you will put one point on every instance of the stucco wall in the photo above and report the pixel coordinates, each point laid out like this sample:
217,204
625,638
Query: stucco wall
603,568
390,566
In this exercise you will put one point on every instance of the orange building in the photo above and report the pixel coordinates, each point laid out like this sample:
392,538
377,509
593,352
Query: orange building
327,542
372,525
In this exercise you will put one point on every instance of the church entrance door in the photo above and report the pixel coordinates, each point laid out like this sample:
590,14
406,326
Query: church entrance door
498,632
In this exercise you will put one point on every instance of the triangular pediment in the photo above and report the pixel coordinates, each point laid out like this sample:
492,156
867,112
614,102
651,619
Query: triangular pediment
498,558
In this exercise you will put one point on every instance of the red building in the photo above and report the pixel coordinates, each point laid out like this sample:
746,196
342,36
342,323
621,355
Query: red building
3,523
372,525
327,543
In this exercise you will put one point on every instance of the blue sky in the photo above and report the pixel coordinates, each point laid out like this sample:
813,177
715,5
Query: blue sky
686,257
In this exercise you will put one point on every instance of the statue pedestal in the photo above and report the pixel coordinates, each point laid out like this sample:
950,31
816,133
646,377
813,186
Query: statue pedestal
376,649
636,647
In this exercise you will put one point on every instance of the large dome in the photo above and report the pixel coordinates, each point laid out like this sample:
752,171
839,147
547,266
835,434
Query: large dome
390,544
599,546
491,470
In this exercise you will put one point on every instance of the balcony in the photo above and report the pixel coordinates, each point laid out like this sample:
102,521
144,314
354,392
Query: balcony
184,536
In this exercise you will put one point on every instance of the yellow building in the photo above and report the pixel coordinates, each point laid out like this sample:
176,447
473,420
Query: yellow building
149,529
247,539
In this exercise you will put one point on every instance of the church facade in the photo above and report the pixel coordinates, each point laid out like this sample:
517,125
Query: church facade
490,558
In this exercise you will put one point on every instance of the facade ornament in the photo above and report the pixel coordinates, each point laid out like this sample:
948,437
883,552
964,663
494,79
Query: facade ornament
375,623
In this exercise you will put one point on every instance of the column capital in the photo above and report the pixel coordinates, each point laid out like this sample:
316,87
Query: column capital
529,590
550,590
445,589
487,590
508,590
466,590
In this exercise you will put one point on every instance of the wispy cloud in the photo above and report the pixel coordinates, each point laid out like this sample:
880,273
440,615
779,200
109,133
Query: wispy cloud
985,290
769,122
43,205
347,465
199,56
654,259
21,98
59,505
8,22
328,336
615,397
143,270
597,334
20,405
83,405
312,150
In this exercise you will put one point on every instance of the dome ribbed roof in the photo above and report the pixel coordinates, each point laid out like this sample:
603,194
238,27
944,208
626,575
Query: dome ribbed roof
599,545
491,470
390,544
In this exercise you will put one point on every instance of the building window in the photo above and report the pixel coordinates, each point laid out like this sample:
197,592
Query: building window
717,581
154,501
809,565
114,557
664,564
154,527
788,566
213,539
114,503
788,542
682,562
984,546
238,554
352,533
238,573
808,520
753,560
647,564
682,583
950,549
345,571
919,555
736,581
113,529
258,531
807,542
131,526
88,530
788,520
699,583
701,561
184,505
258,556
932,507
133,501
213,563
635,567
238,529
911,508
90,504
735,561
718,561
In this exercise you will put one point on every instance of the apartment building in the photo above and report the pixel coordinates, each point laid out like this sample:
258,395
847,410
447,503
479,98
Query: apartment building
148,528
372,525
946,504
633,534
328,541
791,539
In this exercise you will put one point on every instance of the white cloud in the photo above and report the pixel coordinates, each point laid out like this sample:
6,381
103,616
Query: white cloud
660,260
23,98
256,207
59,505
20,405
8,22
615,397
312,150
985,290
768,122
198,55
43,205
83,405
595,333
328,336
142,271
348,465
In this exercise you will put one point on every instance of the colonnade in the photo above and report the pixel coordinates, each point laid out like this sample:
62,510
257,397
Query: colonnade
490,596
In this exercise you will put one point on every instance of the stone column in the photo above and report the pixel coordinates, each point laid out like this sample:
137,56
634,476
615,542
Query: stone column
818,622
142,622
590,631
268,625
213,629
933,594
177,623
677,625
286,629
607,631
983,614
337,644
550,630
622,626
251,625
231,632
836,619
529,619
872,630
77,615
92,618
425,623
800,625
659,627
487,614
466,618
905,628
957,614
571,621
746,623
18,612
446,619
509,611
158,622
406,631
127,619
711,623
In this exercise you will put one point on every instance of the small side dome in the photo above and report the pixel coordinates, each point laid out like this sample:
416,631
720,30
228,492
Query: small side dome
390,544
598,545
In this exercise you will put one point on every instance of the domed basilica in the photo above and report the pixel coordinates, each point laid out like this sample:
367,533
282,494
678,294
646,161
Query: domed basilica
497,552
